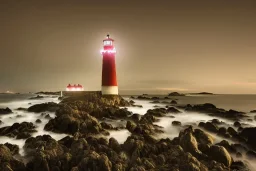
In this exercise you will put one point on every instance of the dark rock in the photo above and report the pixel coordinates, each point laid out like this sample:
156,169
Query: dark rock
48,116
5,111
232,131
113,143
239,155
211,127
1,122
106,125
173,110
95,161
155,101
173,102
251,154
37,97
220,154
158,112
222,131
14,149
226,144
38,108
19,116
130,126
176,123
21,130
203,137
7,162
239,166
175,94
135,117
237,124
253,111
216,121
22,109
38,121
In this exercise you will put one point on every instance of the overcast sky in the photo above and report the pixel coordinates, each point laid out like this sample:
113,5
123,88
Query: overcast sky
161,45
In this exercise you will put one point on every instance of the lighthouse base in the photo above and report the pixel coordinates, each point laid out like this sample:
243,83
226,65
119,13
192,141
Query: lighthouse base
109,90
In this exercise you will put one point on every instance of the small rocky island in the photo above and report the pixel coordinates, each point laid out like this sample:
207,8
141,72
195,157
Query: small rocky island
84,119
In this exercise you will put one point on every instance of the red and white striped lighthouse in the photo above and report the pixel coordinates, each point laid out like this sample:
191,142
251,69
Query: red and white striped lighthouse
109,81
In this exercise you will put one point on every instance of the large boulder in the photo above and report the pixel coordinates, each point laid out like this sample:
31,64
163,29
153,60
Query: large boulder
220,154
38,108
249,135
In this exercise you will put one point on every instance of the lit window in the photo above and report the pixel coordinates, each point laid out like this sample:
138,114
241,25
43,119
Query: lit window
107,43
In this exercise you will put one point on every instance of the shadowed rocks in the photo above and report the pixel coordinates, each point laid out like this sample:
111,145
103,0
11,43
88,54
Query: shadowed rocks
5,111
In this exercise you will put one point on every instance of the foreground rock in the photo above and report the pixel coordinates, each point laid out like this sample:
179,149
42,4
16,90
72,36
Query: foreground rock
38,108
19,130
7,162
5,111
81,114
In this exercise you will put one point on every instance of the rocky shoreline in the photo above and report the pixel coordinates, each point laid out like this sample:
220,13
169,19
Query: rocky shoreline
84,119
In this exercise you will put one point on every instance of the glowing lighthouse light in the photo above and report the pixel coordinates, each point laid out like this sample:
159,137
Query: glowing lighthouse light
74,87
109,81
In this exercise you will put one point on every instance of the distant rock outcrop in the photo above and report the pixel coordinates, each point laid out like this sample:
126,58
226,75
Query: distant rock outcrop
175,94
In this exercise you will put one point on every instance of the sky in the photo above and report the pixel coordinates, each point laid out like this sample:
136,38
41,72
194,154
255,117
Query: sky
162,46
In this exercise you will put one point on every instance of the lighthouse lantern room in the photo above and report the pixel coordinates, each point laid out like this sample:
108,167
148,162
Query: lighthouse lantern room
109,80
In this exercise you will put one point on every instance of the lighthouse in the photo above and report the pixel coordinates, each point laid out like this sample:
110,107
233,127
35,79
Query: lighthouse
109,81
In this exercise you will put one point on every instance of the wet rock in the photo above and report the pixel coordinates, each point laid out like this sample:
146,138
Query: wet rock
176,123
48,116
21,130
173,110
19,116
95,161
158,112
1,122
188,142
222,131
7,162
220,154
22,109
203,137
240,166
135,117
253,111
237,124
38,108
14,149
228,146
239,155
251,154
38,121
216,121
173,102
106,125
113,143
130,126
5,111
45,143
71,121
231,131
211,127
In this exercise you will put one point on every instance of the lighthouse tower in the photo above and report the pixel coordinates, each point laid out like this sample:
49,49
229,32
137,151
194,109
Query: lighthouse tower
109,81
